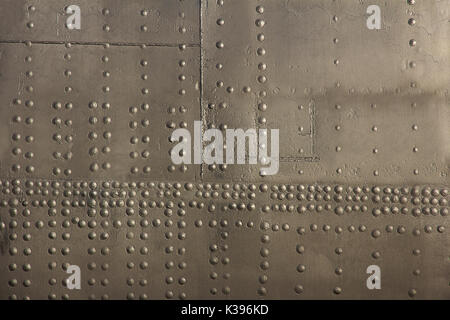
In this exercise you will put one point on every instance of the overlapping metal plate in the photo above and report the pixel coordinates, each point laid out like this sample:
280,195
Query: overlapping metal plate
87,179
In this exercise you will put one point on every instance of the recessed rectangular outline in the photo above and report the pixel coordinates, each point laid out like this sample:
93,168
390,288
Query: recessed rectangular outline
312,121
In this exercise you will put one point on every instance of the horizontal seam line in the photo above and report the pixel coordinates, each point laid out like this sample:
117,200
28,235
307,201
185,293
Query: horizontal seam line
118,44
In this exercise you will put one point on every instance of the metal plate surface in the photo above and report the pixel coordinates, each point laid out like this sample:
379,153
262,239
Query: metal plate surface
86,176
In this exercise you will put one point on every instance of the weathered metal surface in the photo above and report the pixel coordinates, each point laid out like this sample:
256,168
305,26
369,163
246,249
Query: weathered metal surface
87,179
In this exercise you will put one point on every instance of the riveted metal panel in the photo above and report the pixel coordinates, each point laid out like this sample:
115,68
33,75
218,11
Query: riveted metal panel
86,176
